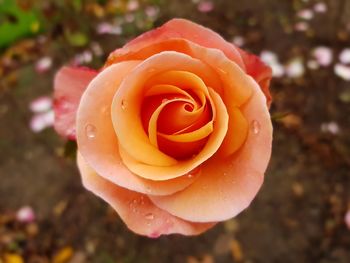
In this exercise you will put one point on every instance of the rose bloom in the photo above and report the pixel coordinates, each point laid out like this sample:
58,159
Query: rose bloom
173,132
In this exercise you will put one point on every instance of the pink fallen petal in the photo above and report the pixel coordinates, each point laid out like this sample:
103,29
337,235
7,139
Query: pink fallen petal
238,41
42,121
129,18
306,14
82,58
301,26
152,11
205,6
25,214
295,68
344,56
330,127
41,104
133,5
43,64
107,28
69,85
313,64
347,219
342,71
323,55
320,7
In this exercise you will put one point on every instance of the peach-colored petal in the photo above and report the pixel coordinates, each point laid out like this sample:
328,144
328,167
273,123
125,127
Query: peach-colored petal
227,186
97,140
237,91
229,80
259,71
183,167
161,39
135,209
153,121
69,85
138,153
236,133
181,29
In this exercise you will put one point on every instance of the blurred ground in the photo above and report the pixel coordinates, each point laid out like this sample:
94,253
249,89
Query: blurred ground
298,216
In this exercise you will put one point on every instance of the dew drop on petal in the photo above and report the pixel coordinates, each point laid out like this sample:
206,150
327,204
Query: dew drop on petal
123,104
105,110
90,131
194,172
223,71
164,100
149,216
255,126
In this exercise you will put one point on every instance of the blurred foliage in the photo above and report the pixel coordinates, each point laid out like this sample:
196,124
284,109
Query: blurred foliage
16,22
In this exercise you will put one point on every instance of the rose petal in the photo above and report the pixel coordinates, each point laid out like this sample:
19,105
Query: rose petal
136,210
101,149
139,155
260,72
236,134
69,85
227,186
237,85
181,29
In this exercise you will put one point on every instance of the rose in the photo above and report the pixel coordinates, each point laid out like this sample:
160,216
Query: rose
173,132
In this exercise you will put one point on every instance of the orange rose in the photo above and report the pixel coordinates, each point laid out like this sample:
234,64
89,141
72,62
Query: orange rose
174,132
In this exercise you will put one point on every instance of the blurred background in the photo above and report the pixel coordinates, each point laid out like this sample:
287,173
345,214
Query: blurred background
301,214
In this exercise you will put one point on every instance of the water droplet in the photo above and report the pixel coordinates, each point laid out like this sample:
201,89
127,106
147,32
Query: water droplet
142,200
164,100
149,216
223,71
194,172
123,104
90,131
134,201
225,174
105,109
255,126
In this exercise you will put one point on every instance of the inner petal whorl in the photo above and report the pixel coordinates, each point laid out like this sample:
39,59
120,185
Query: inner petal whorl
177,119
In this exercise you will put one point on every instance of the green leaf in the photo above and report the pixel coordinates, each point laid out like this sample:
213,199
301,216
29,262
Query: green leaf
77,39
16,23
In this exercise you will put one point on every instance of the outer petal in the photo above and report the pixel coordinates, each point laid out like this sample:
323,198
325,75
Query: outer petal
98,142
226,187
69,85
182,28
135,209
261,73
187,30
